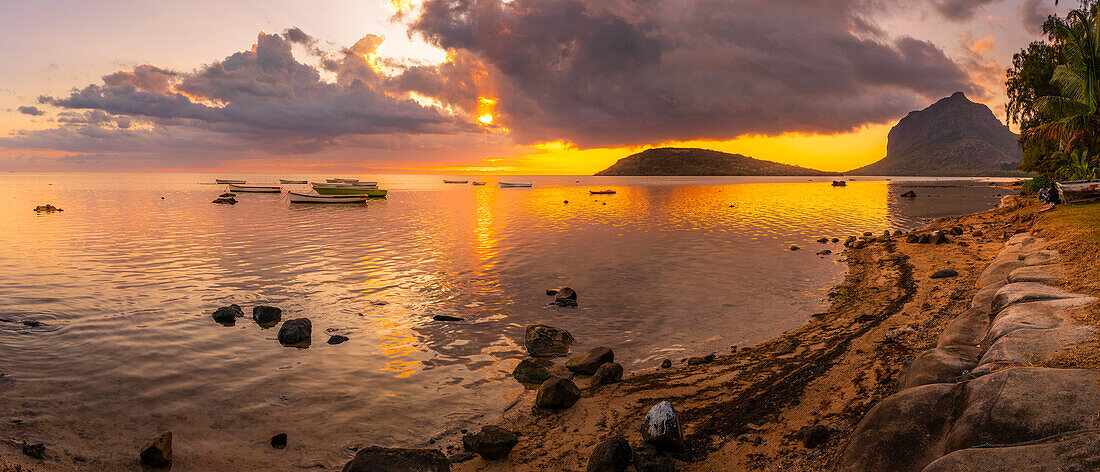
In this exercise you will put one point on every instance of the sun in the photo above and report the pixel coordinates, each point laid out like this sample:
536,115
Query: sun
485,119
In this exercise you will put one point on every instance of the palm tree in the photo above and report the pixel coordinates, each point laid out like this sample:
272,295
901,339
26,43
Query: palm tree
1075,112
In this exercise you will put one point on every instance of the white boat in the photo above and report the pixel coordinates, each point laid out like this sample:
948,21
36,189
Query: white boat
513,184
255,188
456,181
296,197
228,181
345,185
1079,190
478,183
342,181
285,181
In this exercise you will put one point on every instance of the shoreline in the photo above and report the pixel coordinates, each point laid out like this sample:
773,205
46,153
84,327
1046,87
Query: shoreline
744,411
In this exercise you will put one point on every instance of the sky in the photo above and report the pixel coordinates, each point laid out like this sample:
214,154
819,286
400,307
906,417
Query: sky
484,86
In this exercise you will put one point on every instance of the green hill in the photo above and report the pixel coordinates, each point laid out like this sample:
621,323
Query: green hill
694,161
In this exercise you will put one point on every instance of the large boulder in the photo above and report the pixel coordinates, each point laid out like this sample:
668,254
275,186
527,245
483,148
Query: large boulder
902,433
613,454
158,451
228,314
1040,257
1043,314
1026,292
556,394
296,332
967,329
609,373
547,341
589,361
1044,274
381,459
492,443
1031,346
267,316
536,371
661,428
1074,452
939,365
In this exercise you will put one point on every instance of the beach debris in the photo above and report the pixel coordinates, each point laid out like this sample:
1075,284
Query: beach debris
707,359
228,315
556,394
47,208
381,459
547,341
158,451
666,363
607,374
909,194
225,200
795,248
649,459
945,273
447,318
814,436
298,331
613,454
337,339
278,441
661,428
589,361
267,316
566,297
37,450
536,371
492,443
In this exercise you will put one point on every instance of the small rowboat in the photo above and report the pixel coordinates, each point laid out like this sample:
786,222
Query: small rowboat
456,181
344,185
513,184
284,181
478,183
254,188
368,191
1079,190
602,192
228,181
342,181
296,197
839,183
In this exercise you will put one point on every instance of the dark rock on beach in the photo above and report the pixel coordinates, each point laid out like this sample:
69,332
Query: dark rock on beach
701,360
266,316
225,200
446,318
537,371
551,293
492,443
278,441
909,194
557,394
547,341
648,459
566,297
661,428
36,451
337,339
609,373
666,363
912,238
938,237
380,459
588,362
298,331
610,455
945,273
228,314
813,437
158,451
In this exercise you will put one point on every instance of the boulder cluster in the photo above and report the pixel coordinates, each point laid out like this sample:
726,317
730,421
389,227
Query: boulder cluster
296,332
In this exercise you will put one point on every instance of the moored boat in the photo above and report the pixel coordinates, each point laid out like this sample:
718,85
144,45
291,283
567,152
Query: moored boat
344,184
602,192
513,184
342,181
255,188
285,181
456,181
368,191
296,197
839,183
228,181
478,183
1079,190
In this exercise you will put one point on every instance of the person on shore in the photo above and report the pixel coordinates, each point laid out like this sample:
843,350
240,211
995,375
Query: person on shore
1052,194
1043,194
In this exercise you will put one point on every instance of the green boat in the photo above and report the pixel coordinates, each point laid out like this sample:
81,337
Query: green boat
370,192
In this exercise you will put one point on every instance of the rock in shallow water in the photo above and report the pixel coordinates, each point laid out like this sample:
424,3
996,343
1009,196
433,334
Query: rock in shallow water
565,297
446,318
337,339
661,428
557,394
610,455
158,451
547,341
492,443
607,374
537,371
588,362
381,459
266,316
296,332
228,314
666,363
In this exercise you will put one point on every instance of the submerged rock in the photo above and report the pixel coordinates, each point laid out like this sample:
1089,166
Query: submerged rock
566,297
613,454
492,443
158,451
298,331
537,371
795,248
47,208
557,394
588,362
225,200
661,428
381,459
447,318
267,316
228,314
609,373
823,240
547,341
337,339
666,363
824,253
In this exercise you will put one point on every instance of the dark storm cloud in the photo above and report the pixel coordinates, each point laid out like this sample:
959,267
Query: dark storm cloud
259,93
1033,13
960,10
632,71
33,111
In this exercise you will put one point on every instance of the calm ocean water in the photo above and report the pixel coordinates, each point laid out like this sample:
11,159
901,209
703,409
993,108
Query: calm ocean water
124,282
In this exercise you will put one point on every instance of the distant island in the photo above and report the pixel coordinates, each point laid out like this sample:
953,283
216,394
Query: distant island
952,137
695,161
